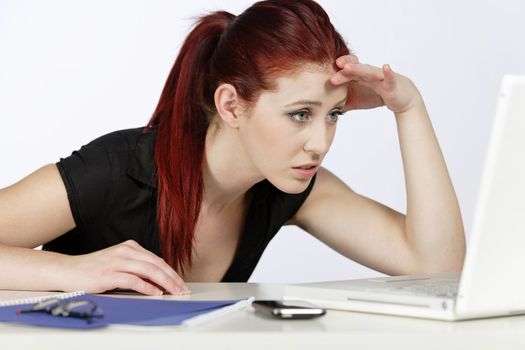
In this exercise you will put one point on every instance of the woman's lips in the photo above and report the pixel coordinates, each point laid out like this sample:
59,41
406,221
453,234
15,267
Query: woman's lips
307,166
306,170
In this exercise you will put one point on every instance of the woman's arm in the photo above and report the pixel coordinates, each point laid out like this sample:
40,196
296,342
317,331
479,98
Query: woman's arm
36,210
434,227
430,238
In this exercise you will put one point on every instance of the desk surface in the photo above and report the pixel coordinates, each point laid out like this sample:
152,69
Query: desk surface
248,330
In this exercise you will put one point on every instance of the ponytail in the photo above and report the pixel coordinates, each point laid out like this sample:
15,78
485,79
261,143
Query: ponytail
181,121
248,51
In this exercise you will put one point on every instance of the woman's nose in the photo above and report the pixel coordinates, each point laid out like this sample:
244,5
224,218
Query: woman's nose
320,139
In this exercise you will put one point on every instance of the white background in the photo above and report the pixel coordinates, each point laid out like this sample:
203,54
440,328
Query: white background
71,71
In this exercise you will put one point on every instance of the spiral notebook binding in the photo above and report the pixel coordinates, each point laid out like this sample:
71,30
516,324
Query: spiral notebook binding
37,299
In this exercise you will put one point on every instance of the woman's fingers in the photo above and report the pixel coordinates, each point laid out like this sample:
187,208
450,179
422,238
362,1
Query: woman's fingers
147,272
389,75
363,72
357,72
341,61
339,77
370,86
169,279
150,257
156,260
130,281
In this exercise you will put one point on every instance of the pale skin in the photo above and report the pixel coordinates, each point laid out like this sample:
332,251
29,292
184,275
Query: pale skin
286,128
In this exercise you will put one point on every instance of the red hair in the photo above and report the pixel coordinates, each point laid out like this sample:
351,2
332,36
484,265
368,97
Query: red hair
247,51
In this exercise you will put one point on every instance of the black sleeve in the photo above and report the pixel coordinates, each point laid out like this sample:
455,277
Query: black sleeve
88,178
108,206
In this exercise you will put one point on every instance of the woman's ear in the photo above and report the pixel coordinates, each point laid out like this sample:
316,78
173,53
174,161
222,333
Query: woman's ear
227,104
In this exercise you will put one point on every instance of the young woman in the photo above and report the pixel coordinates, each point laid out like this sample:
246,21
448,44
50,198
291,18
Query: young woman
232,153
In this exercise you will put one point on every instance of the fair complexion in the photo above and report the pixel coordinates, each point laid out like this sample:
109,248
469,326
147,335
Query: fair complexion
288,127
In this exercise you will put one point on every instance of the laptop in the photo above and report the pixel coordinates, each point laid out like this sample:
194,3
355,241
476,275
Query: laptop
492,282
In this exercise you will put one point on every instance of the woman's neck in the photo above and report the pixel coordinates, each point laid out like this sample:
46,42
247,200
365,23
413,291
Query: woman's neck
228,173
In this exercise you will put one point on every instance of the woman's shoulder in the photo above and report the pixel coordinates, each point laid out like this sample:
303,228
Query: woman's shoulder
124,140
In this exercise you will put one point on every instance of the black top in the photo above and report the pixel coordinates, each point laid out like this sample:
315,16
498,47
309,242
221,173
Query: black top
111,187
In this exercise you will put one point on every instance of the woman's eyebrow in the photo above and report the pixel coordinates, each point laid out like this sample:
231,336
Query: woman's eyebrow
305,102
311,102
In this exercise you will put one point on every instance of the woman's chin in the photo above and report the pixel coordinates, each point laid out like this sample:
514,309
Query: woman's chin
290,185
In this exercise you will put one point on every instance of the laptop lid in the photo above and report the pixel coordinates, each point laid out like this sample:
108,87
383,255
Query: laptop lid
493,280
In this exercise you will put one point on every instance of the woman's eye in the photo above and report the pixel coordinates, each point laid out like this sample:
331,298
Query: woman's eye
334,116
299,116
304,116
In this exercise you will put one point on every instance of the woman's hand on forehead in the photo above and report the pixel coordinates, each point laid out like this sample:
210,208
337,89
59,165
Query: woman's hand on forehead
370,86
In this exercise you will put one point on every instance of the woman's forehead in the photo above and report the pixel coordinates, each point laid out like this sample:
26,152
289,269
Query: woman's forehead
309,82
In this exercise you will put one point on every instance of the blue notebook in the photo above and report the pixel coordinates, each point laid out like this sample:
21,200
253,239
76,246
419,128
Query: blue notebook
119,310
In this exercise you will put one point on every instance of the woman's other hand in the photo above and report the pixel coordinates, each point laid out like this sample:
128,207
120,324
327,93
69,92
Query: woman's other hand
126,265
371,87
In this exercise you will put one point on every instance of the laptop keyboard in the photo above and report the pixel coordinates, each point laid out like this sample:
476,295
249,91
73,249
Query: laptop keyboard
437,290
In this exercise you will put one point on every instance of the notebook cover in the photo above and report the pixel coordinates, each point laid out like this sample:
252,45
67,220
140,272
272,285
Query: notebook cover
130,311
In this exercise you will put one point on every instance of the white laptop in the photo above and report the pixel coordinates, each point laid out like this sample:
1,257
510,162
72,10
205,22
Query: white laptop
492,282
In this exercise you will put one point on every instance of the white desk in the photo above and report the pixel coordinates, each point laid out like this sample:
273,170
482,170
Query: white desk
247,330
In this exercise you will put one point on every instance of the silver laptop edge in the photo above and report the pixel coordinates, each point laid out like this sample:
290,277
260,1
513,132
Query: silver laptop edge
492,278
